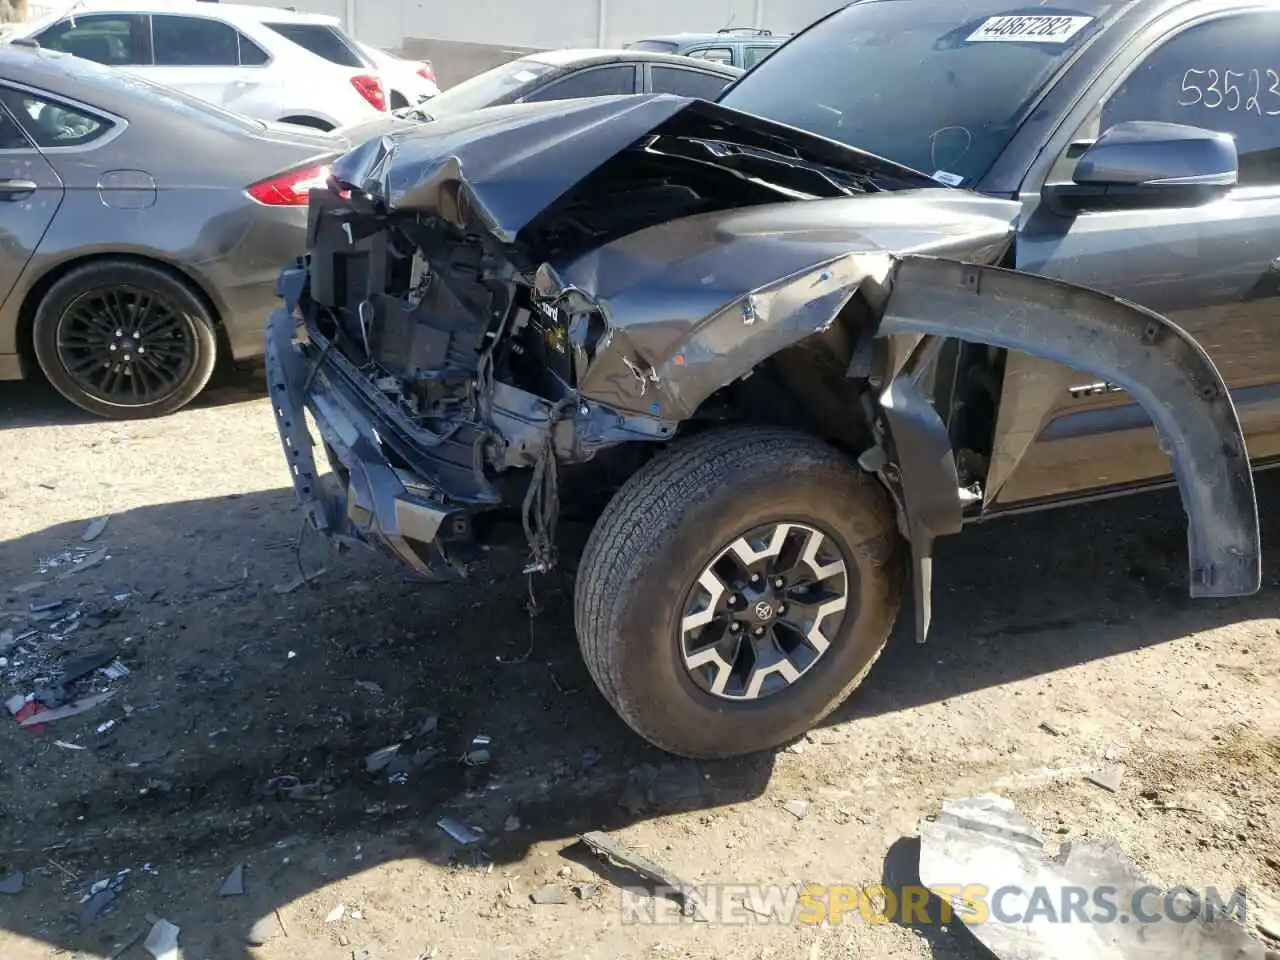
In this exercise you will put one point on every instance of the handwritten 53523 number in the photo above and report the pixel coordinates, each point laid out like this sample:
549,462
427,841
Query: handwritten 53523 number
1231,90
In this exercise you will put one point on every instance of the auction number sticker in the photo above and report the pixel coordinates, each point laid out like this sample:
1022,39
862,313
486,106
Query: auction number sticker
1028,29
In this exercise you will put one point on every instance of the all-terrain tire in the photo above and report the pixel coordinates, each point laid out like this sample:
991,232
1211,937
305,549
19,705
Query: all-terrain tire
125,283
670,520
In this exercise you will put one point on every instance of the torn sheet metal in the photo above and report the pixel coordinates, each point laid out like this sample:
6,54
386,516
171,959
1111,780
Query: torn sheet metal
984,842
605,846
499,168
701,301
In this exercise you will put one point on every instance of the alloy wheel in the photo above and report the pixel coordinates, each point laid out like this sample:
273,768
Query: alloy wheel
764,611
126,345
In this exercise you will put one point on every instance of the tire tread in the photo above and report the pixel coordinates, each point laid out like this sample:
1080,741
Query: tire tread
646,508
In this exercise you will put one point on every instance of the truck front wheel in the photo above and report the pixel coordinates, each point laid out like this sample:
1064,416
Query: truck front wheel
737,589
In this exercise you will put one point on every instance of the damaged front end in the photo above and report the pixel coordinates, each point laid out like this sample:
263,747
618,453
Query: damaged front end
495,297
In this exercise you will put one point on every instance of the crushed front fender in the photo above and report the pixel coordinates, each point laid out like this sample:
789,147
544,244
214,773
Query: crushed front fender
1163,368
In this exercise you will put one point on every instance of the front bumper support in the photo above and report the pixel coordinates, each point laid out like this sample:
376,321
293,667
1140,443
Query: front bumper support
381,504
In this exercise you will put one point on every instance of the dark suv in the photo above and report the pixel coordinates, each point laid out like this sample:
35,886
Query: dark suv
741,47
932,263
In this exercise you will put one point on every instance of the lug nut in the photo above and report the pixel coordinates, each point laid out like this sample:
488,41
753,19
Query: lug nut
779,583
734,599
755,578
758,631
735,627
782,608
119,333
113,347
142,349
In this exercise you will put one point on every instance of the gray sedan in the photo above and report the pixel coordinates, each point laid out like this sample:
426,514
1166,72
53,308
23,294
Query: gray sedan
141,231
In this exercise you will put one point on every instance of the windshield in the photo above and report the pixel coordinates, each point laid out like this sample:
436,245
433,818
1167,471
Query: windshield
937,85
482,90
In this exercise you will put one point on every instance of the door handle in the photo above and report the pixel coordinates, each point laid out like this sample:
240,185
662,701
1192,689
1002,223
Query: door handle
11,190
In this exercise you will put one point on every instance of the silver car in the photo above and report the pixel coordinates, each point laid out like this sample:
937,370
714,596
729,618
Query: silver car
141,231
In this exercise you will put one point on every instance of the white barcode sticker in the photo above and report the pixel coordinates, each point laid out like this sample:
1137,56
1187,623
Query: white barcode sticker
1028,29
947,177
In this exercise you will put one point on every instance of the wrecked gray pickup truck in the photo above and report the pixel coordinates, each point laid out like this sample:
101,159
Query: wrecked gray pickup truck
774,366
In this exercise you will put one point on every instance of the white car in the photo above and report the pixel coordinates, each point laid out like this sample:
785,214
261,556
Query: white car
275,65
409,82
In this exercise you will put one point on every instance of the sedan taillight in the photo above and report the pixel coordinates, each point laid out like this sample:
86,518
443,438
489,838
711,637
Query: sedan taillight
290,189
370,87
427,72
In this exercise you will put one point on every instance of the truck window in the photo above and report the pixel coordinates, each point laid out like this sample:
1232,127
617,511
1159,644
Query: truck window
1221,76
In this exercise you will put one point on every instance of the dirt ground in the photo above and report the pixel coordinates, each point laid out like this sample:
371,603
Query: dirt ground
1077,619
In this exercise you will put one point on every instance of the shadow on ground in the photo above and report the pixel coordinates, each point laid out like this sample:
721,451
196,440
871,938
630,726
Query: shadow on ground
234,684
34,403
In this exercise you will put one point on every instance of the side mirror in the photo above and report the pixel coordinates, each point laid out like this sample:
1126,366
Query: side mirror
1142,164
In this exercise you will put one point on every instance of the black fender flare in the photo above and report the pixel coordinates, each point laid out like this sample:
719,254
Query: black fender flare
1161,366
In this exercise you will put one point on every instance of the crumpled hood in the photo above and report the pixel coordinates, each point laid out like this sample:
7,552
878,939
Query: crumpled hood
498,168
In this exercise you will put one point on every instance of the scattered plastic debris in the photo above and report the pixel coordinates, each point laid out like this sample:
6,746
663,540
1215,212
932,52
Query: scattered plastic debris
380,759
986,841
95,529
291,585
372,688
79,667
42,716
101,895
86,562
478,754
336,914
233,886
1051,728
797,808
104,727
115,670
548,894
462,834
1108,778
586,891
511,824
428,726
605,846
162,941
46,605
13,884
293,788
67,746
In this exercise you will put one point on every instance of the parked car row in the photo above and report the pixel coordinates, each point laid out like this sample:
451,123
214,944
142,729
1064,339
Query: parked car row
273,64
741,47
574,74
127,315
